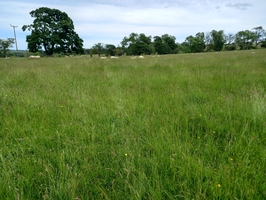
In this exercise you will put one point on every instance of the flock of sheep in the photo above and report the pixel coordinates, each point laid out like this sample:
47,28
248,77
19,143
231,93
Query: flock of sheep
115,57
103,57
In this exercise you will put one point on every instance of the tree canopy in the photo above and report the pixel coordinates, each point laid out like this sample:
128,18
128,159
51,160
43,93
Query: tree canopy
218,39
5,44
196,44
137,44
244,39
258,34
52,30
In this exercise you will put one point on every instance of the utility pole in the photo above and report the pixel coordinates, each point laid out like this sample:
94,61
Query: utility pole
15,37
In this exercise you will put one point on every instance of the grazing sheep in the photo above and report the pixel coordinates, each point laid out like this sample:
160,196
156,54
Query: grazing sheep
103,57
133,57
113,57
141,56
35,57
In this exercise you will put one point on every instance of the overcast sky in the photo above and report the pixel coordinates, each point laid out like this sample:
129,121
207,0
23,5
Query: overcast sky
109,21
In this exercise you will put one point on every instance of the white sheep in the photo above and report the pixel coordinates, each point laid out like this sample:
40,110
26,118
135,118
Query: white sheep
114,57
35,57
103,57
141,56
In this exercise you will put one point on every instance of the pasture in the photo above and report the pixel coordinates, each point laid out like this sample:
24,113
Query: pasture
188,126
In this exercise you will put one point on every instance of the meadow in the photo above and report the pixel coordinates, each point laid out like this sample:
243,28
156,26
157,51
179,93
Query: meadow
186,126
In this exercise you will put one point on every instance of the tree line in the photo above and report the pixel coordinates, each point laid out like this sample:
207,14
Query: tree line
53,32
137,44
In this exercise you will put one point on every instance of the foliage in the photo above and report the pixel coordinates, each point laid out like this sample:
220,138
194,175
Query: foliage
169,42
218,40
87,51
209,41
105,49
184,47
263,45
118,51
244,39
159,46
258,34
52,30
165,44
110,49
5,45
137,44
196,44
98,49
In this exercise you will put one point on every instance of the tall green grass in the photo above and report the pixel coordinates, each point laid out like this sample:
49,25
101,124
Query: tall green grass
189,126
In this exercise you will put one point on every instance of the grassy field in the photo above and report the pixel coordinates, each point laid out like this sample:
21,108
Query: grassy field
190,126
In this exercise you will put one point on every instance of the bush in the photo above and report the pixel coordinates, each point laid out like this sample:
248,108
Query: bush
263,45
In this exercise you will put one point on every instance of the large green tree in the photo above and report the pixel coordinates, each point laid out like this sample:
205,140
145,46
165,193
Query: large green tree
165,44
99,49
244,39
52,30
137,44
129,44
5,44
110,49
200,38
170,43
218,39
159,46
196,44
258,34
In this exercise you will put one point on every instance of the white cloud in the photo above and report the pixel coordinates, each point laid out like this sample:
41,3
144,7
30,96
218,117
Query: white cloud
241,6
